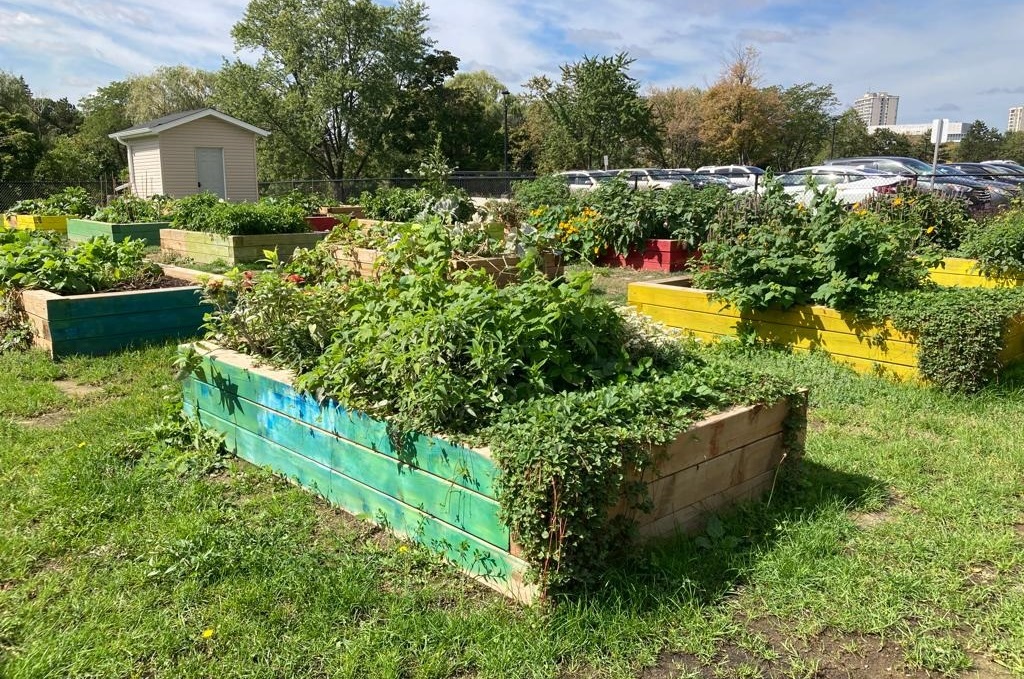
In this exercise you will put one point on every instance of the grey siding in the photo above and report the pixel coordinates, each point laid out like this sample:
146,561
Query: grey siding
178,157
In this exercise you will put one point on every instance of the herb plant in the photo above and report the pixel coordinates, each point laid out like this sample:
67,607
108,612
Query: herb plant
206,212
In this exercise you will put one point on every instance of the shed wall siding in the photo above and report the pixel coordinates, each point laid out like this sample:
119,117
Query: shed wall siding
178,158
147,178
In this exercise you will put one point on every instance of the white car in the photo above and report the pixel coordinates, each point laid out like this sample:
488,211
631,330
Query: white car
738,175
649,178
585,180
852,185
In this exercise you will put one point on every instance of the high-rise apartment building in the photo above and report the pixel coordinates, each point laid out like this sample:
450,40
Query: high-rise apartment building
877,108
1016,123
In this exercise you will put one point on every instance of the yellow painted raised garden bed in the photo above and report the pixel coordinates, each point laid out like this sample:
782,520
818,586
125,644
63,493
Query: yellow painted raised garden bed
964,273
57,223
865,346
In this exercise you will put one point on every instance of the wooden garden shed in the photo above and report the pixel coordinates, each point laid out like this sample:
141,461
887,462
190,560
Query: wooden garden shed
193,151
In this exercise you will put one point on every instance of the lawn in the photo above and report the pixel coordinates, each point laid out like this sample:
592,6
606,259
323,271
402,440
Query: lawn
128,552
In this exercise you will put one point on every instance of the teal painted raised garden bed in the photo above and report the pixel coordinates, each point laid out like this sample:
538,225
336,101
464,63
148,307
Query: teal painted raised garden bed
104,322
84,229
442,495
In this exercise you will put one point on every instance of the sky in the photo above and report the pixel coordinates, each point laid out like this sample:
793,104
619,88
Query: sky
943,58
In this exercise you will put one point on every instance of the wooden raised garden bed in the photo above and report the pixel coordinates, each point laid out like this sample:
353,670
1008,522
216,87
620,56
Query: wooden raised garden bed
84,229
658,254
502,269
865,346
205,248
58,223
103,322
964,273
443,495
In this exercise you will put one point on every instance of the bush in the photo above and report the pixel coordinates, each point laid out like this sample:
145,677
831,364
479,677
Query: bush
405,205
546,191
40,260
770,252
998,244
945,221
133,210
206,212
73,201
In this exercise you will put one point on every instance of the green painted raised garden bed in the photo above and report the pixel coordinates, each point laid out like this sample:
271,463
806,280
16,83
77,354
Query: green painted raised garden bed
205,248
84,229
442,494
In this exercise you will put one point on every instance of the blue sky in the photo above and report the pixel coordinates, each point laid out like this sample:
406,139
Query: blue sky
944,58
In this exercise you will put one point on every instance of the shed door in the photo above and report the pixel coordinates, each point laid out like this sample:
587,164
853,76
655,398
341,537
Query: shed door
210,170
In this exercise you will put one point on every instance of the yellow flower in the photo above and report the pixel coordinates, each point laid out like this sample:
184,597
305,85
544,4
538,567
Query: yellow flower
208,633
897,201
82,444
402,549
930,229
856,206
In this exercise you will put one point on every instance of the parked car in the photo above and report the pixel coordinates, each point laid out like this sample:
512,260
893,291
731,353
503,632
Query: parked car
975,192
1013,164
700,181
649,178
995,172
852,185
738,175
585,180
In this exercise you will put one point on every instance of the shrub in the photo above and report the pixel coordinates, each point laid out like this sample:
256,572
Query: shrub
769,251
130,209
73,201
205,212
406,205
945,221
40,260
998,244
547,191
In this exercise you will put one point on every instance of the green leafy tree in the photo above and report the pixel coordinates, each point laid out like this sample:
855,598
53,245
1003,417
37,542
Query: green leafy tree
980,142
106,112
1013,147
470,120
69,158
806,124
20,148
335,81
15,95
595,110
888,143
168,89
851,137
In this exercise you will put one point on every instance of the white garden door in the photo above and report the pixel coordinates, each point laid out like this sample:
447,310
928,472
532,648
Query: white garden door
210,171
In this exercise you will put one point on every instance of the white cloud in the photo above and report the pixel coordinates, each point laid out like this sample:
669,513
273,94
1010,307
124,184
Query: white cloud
930,58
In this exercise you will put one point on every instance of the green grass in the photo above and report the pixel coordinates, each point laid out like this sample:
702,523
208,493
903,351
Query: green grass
900,543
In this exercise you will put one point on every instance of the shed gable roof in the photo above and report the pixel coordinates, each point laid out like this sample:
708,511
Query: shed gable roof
167,122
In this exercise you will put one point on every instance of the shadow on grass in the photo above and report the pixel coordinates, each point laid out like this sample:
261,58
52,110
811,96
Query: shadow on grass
702,569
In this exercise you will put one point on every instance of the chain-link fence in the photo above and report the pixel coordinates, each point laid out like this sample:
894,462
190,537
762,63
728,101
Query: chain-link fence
486,185
12,192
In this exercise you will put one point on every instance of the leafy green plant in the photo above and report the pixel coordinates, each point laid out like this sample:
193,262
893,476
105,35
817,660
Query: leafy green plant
130,209
944,221
544,191
998,244
205,212
959,331
73,201
40,260
769,251
15,331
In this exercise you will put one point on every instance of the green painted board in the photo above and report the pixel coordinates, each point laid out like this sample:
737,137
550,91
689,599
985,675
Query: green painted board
471,554
114,304
129,323
84,229
98,346
469,511
463,466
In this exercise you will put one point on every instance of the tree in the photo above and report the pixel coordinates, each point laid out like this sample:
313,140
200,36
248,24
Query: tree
595,110
106,112
980,142
15,95
1012,148
55,118
888,143
168,89
741,122
677,112
336,82
851,137
69,159
806,125
20,148
470,120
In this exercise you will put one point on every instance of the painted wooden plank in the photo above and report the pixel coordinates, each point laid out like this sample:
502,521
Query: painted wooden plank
720,433
702,301
58,223
469,511
495,567
118,303
111,325
98,346
83,229
959,272
239,375
865,346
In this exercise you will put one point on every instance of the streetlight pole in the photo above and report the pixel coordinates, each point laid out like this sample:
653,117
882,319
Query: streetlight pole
832,148
504,155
